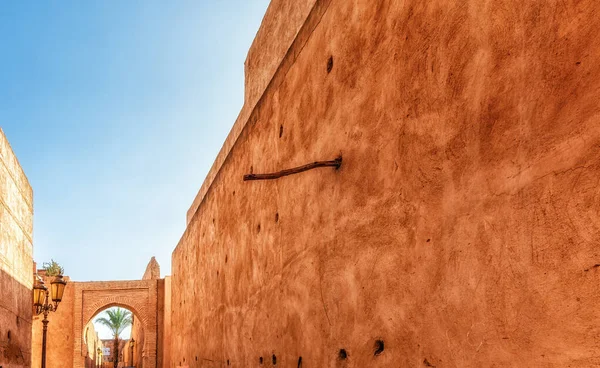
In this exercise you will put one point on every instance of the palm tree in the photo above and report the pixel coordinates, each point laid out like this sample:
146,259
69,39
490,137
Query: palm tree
118,319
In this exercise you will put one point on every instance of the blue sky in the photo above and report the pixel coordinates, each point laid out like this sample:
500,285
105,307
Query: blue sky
116,111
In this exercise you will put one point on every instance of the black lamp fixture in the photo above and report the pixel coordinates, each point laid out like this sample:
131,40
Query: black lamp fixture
45,301
131,345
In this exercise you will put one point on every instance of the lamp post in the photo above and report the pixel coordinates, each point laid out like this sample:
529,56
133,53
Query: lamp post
131,345
42,304
99,357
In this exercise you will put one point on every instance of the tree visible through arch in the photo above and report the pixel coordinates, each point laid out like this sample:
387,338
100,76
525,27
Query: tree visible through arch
138,296
118,319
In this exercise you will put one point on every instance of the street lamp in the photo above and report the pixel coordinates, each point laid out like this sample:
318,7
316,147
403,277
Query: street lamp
99,357
131,344
42,304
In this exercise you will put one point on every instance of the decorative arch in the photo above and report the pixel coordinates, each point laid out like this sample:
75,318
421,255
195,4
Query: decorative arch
140,297
124,302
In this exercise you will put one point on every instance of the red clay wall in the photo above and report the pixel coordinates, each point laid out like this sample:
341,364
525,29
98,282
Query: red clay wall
93,342
166,331
278,29
59,342
281,24
16,263
137,332
462,229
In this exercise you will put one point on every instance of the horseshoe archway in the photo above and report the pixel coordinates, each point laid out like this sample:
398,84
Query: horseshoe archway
138,296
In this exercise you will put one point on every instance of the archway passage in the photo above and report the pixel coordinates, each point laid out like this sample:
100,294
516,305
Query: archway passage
139,297
103,350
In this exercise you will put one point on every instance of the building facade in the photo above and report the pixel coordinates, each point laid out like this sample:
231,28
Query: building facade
462,227
16,260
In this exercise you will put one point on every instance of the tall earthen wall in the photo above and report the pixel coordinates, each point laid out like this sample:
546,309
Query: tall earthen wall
16,262
278,30
59,337
462,229
167,334
137,332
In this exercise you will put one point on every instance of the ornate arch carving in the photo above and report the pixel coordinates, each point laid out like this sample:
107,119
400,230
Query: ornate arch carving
140,297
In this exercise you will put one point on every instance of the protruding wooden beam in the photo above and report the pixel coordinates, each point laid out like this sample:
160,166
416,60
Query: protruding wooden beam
313,165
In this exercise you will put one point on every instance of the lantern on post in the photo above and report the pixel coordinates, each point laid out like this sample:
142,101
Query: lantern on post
131,346
42,303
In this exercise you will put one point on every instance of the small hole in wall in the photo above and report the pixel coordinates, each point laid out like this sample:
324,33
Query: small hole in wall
258,228
226,258
217,273
234,192
251,169
300,362
277,217
18,322
342,354
196,357
227,361
9,335
329,64
213,220
260,360
274,359
280,131
379,346
428,240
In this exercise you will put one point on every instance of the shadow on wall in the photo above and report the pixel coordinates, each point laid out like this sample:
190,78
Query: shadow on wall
15,323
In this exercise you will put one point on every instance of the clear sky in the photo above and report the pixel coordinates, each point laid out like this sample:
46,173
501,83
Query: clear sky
116,110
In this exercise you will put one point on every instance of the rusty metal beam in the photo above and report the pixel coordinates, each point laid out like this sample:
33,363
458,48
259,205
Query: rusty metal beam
313,165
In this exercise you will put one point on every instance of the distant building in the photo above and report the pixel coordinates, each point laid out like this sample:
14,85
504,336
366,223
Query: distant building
108,351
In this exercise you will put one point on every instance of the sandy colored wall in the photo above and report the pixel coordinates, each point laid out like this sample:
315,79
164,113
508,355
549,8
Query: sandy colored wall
16,263
127,361
160,314
278,30
152,270
279,27
167,332
462,227
59,342
152,273
137,332
93,342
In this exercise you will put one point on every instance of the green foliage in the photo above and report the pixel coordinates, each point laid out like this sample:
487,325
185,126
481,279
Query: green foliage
52,268
118,319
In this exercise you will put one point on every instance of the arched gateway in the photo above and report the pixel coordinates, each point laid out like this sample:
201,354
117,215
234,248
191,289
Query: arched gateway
149,299
141,297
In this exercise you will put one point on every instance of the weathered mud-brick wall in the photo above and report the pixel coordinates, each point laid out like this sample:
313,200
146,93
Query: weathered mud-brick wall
93,342
59,337
16,263
279,28
167,333
462,229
